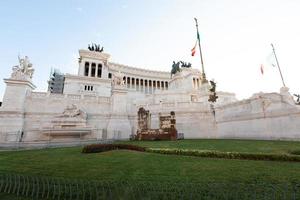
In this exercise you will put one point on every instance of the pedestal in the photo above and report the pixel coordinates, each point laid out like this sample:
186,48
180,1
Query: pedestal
119,125
284,91
15,94
13,108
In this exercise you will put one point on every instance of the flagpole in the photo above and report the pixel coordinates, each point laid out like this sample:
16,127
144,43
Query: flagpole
278,65
198,37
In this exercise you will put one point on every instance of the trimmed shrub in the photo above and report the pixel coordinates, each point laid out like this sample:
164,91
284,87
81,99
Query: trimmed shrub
295,152
226,155
96,148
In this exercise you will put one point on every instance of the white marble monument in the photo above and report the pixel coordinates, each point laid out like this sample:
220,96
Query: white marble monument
102,100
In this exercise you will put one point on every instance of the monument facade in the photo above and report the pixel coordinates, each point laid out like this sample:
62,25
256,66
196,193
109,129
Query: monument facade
102,101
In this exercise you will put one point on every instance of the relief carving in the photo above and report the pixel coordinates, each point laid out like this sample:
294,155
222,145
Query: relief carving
72,111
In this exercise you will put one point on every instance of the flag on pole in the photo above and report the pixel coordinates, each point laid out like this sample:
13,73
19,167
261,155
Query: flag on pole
262,69
271,60
194,49
268,61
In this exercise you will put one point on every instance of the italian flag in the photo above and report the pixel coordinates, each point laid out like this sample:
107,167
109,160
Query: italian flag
194,49
262,69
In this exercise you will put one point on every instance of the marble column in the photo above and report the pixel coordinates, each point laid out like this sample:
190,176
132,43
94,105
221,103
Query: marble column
96,71
90,70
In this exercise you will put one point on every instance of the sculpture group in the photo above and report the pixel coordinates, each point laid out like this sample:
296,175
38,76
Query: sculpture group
118,79
213,95
95,47
72,111
177,65
24,70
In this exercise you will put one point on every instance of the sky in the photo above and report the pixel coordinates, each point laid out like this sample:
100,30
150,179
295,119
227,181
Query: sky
235,38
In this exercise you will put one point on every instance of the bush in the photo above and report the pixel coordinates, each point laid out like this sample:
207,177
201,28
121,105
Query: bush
226,155
96,148
295,152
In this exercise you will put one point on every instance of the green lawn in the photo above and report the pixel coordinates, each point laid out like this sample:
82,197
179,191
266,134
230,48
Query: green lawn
251,146
161,170
135,166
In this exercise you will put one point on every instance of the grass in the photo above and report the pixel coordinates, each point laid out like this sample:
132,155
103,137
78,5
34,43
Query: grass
139,166
133,166
250,146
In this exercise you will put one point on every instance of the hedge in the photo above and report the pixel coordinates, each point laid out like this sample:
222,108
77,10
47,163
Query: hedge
96,148
295,152
226,155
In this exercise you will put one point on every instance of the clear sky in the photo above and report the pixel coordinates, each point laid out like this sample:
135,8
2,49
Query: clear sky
235,37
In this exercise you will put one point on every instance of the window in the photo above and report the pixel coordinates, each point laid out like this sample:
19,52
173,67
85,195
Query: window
99,74
93,74
86,68
109,75
89,88
132,82
137,84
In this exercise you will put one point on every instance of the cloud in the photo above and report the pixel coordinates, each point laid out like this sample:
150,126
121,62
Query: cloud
124,6
79,9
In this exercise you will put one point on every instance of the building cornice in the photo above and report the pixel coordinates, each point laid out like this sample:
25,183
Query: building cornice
94,55
20,82
139,72
87,78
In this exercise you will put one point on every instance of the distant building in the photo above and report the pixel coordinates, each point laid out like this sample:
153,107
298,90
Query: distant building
56,82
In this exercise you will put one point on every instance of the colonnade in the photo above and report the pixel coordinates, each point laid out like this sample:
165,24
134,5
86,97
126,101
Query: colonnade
145,85
139,84
196,83
93,70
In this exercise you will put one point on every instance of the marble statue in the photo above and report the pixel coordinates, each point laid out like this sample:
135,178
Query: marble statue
24,70
118,79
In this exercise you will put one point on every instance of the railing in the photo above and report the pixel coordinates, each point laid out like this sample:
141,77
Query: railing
60,188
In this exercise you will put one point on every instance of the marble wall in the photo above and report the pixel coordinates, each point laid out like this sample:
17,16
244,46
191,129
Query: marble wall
112,106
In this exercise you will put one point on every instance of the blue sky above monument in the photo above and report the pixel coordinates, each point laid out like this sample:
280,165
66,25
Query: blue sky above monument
235,37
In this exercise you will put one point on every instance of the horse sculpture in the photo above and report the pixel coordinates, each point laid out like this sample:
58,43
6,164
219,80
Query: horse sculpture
176,67
95,47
